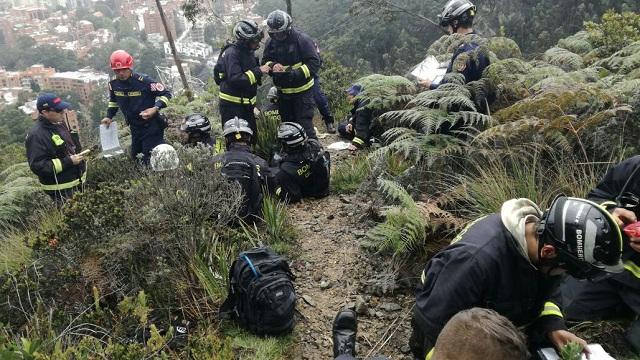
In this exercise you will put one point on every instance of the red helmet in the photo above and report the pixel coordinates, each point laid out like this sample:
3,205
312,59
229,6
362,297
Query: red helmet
121,59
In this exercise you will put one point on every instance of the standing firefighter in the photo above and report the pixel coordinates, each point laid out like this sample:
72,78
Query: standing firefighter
238,72
140,99
293,61
51,151
457,18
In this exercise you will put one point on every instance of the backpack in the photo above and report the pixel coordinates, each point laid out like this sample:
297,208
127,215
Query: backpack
261,293
245,173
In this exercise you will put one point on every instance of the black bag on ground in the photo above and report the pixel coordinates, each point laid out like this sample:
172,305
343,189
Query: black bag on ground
261,294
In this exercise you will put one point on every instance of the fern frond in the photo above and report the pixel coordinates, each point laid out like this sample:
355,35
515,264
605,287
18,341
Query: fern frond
563,58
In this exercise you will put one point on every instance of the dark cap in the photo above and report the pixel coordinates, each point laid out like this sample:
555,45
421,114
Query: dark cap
354,89
48,101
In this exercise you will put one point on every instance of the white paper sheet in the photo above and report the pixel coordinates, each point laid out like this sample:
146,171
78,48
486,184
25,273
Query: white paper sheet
597,353
429,69
339,145
109,140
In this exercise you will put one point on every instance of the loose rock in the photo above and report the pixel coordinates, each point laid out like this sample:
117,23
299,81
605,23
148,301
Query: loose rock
361,305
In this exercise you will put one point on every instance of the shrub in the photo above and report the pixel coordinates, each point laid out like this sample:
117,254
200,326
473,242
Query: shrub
348,175
616,30
267,141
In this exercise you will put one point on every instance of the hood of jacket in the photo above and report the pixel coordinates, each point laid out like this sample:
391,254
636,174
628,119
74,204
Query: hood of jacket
515,214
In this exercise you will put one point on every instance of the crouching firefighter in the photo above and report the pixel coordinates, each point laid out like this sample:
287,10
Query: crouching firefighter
51,152
238,73
198,130
510,262
239,164
304,165
617,296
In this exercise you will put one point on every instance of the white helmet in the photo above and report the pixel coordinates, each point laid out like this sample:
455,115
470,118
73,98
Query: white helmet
164,157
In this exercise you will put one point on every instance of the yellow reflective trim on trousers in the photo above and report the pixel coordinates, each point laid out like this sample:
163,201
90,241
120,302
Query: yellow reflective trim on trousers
112,104
550,309
164,99
57,165
57,140
236,99
632,267
305,70
429,355
252,78
278,191
300,89
423,277
63,186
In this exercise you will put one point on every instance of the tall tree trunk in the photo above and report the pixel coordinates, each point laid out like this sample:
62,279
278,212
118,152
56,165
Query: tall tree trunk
289,8
176,59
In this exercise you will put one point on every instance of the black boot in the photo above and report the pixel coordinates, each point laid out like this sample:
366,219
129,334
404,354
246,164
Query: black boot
331,129
345,327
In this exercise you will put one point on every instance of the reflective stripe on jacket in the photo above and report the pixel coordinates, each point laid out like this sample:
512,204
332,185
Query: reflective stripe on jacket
239,75
298,54
485,268
49,147
134,95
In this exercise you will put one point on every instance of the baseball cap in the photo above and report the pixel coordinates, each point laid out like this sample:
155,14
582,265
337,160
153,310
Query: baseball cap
354,89
49,101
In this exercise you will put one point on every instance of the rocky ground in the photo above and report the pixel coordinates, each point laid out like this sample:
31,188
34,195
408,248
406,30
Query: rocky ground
333,271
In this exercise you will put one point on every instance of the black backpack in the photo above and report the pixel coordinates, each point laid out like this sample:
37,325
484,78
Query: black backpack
261,294
245,173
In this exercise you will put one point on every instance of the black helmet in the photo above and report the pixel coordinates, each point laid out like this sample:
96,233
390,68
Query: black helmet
195,123
291,135
238,127
279,21
247,30
586,237
457,11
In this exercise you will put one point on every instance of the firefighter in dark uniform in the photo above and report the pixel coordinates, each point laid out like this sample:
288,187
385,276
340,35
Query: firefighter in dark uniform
321,99
358,127
293,61
140,99
457,16
198,131
304,168
509,262
270,110
238,72
239,164
51,151
619,295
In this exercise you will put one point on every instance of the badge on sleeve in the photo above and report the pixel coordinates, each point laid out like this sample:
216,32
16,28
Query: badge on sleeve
157,87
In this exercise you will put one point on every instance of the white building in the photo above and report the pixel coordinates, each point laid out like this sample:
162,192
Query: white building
191,49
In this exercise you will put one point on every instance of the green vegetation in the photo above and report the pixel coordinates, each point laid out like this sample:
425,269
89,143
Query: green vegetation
554,126
348,175
111,271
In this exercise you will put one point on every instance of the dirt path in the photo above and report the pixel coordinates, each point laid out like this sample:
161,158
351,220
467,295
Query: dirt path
333,271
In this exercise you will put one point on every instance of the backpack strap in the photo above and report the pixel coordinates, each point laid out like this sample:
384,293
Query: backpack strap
253,268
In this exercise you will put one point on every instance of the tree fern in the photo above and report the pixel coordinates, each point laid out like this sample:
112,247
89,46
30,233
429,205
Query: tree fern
563,58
